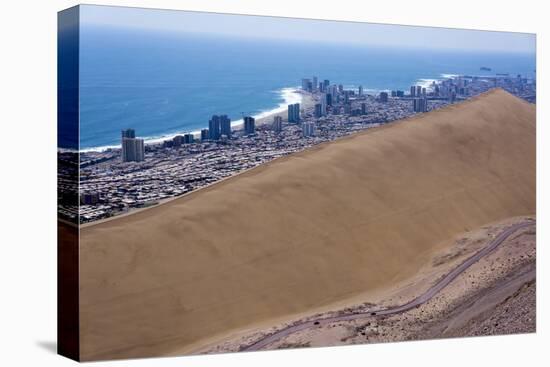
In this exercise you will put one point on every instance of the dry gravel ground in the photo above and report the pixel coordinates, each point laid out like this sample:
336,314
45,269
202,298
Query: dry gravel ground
495,296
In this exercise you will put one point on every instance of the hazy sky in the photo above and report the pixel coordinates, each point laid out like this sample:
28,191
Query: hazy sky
309,30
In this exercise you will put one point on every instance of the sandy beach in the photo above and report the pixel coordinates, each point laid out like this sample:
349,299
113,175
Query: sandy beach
308,102
346,220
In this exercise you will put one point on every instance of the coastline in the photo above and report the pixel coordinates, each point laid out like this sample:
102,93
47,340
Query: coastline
306,101
311,100
290,95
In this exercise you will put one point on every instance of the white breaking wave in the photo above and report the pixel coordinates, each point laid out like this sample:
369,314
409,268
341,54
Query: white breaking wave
449,76
289,95
426,83
99,149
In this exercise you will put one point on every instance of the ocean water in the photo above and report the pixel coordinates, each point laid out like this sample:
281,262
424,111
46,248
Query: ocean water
161,84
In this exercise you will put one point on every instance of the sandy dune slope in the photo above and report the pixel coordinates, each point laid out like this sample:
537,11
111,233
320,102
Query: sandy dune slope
310,229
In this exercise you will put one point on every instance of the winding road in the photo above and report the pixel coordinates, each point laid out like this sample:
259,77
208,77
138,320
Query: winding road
426,296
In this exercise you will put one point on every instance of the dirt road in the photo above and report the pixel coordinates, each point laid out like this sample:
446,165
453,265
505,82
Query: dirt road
430,293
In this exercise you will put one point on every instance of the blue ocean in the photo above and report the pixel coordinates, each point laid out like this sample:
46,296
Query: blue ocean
162,83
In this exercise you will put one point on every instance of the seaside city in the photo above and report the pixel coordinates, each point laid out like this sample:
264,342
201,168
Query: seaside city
139,175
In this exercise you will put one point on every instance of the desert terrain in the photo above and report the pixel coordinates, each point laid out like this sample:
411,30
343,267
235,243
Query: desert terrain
342,223
494,296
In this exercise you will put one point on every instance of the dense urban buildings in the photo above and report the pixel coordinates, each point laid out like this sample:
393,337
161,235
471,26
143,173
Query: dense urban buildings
117,180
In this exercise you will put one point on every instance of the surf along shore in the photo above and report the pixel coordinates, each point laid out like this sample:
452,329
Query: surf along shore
290,95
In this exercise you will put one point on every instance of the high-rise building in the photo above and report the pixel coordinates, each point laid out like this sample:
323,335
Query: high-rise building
225,126
277,124
334,92
383,97
424,92
140,150
294,113
347,109
308,129
340,88
290,113
420,104
363,108
318,110
413,91
329,99
205,135
346,97
128,133
323,104
249,125
306,85
326,85
133,149
214,128
314,83
360,91
418,90
177,140
188,139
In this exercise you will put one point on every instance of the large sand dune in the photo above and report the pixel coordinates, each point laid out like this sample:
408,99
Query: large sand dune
307,230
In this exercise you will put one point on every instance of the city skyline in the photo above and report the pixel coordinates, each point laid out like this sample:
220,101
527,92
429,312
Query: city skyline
327,111
114,59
